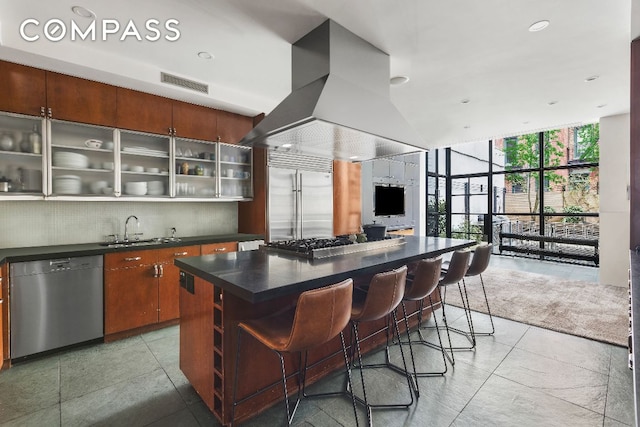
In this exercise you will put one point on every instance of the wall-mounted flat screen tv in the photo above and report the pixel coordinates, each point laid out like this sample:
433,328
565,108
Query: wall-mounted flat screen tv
388,200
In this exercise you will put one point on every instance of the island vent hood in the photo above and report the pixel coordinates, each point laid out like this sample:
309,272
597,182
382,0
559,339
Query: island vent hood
340,106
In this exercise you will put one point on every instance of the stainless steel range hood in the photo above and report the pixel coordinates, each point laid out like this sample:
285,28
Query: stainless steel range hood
339,106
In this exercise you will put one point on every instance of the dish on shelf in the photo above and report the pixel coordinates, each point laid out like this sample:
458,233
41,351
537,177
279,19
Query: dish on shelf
155,188
66,159
152,170
93,143
98,186
145,151
67,184
135,188
136,168
107,165
108,145
107,190
124,167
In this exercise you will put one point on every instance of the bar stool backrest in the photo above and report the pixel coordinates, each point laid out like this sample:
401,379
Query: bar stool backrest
480,260
425,281
384,295
457,267
320,315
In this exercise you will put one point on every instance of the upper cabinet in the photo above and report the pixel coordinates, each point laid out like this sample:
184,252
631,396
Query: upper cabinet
143,112
233,127
80,100
194,121
23,89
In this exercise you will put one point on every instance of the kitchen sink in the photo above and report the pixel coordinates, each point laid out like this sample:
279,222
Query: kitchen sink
141,242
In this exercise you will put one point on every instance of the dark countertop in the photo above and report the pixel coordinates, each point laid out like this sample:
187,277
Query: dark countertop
34,253
634,259
260,275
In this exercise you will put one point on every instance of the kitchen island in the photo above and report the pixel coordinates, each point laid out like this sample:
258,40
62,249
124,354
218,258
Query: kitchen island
218,291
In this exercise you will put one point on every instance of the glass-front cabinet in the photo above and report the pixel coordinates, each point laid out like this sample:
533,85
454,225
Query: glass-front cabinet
51,158
22,164
144,165
82,159
195,168
235,171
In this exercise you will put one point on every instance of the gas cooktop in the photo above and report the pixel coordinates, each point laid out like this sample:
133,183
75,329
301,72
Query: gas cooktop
327,247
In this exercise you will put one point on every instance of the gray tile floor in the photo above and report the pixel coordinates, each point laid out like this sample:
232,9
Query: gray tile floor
523,375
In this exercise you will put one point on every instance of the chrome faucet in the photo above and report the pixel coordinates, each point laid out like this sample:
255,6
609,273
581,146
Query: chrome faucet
126,225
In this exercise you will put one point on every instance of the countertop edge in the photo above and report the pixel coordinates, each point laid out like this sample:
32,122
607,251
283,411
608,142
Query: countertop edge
34,253
301,286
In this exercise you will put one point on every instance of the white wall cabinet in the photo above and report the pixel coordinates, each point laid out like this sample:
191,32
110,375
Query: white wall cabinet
72,160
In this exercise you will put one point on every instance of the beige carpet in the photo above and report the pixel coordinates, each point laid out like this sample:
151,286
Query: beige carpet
590,310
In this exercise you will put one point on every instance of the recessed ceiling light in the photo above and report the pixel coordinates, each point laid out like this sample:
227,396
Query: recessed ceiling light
467,126
552,102
398,80
205,55
286,145
525,123
538,26
465,101
601,106
83,11
353,157
591,78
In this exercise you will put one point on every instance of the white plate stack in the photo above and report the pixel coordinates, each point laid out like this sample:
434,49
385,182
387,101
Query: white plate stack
67,159
135,188
155,188
67,184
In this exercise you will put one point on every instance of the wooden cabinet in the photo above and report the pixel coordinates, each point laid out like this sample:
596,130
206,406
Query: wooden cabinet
233,127
79,100
347,204
218,248
2,324
23,89
169,281
141,287
195,121
130,291
143,112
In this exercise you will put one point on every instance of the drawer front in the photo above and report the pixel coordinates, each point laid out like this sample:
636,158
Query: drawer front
217,248
130,259
167,255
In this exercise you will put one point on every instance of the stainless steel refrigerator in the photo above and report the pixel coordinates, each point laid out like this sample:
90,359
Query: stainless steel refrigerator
300,204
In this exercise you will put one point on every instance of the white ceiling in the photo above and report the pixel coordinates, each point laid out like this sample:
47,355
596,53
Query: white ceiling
451,50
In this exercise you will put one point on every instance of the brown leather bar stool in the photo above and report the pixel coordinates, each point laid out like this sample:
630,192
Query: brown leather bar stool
479,263
319,316
420,286
455,273
383,296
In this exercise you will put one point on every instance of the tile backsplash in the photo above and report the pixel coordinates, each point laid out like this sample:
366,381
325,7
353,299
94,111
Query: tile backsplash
41,223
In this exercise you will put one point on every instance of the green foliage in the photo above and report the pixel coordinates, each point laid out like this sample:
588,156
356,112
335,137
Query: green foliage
549,210
572,219
466,230
590,136
525,155
441,223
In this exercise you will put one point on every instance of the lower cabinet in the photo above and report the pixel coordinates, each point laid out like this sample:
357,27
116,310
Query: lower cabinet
2,332
141,287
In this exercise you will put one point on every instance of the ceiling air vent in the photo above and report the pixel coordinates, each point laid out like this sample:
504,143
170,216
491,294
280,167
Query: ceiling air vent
188,84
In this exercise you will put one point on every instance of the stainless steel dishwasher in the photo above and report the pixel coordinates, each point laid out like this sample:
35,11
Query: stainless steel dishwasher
55,303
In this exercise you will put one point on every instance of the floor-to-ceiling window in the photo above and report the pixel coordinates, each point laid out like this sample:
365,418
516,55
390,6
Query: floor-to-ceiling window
534,194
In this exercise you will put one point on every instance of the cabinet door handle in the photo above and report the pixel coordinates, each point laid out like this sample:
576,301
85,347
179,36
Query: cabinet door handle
42,111
134,258
49,112
180,253
155,270
161,270
220,249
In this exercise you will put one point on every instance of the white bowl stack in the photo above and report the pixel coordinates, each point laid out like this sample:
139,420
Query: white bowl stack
67,184
155,188
67,159
135,188
97,186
